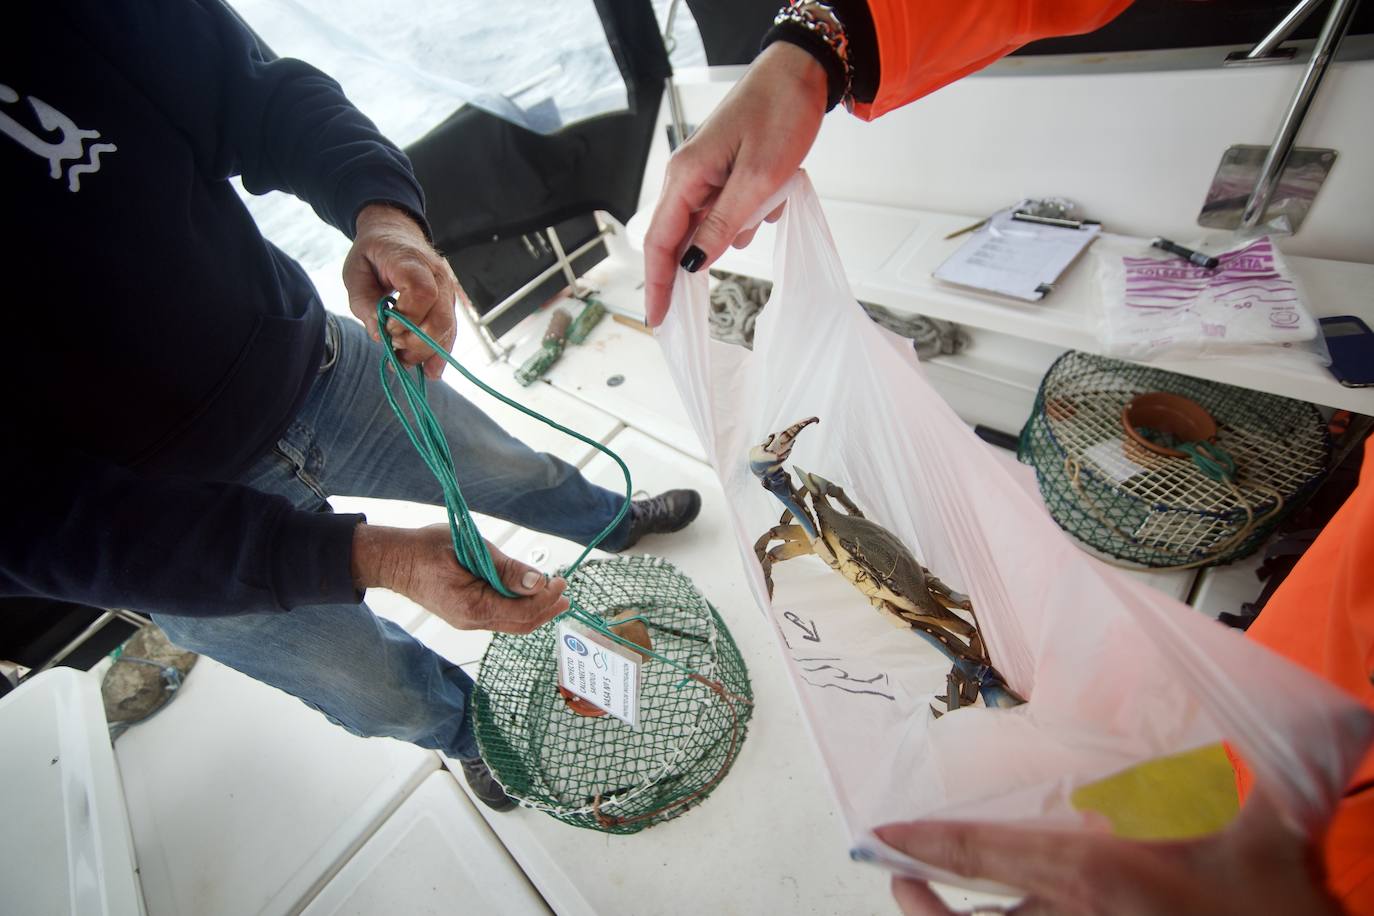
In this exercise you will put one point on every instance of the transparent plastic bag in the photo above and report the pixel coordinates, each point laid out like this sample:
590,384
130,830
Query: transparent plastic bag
1157,305
1115,672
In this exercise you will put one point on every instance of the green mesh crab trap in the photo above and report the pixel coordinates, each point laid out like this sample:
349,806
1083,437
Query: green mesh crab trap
1108,488
601,773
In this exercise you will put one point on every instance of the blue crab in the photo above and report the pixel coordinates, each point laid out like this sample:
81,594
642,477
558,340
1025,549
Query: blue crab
878,565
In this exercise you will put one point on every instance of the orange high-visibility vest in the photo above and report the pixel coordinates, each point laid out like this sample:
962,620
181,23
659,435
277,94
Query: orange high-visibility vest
1322,617
926,44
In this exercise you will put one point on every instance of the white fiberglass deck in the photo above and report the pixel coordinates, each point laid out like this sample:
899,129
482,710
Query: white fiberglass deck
242,800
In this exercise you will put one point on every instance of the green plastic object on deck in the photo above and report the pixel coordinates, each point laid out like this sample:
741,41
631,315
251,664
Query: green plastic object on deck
587,319
561,332
550,348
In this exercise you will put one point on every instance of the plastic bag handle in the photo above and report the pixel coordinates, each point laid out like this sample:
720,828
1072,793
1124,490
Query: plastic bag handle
780,196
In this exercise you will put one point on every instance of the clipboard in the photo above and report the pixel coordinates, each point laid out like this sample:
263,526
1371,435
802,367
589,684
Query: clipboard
1016,258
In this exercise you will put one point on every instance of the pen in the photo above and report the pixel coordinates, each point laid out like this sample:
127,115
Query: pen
1053,220
1196,257
958,232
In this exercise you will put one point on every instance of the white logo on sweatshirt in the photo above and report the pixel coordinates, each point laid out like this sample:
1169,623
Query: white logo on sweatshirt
70,144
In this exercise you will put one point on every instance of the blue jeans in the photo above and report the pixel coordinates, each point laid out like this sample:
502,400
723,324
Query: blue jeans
362,671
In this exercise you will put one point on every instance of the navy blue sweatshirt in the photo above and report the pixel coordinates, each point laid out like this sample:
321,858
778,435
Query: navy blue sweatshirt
156,344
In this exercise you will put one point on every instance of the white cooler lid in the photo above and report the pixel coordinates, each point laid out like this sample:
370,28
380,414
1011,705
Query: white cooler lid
65,845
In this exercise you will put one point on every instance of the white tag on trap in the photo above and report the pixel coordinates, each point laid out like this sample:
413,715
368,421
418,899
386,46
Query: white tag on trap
598,670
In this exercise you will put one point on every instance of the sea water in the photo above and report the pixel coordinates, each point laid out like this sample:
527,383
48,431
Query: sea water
409,64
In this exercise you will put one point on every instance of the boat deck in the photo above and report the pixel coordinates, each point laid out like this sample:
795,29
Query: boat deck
243,800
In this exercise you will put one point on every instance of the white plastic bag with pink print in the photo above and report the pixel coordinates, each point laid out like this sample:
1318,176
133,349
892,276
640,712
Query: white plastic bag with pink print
1114,672
1157,305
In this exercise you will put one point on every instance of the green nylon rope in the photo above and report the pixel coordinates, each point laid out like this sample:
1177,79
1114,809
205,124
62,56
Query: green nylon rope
425,433
1211,459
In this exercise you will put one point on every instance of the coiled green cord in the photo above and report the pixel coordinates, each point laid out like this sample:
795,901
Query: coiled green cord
425,433
1211,459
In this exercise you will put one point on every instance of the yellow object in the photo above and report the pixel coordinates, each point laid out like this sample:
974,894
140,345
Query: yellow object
1169,798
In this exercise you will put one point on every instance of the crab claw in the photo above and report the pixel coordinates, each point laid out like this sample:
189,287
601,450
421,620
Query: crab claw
768,458
780,444
997,695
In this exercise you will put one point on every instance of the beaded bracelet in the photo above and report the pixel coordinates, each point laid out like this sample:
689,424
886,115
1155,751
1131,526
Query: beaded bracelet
820,20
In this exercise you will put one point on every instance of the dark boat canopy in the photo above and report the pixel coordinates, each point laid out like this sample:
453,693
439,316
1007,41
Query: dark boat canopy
732,29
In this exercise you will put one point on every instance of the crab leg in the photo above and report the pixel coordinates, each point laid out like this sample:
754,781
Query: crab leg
794,544
997,695
830,489
948,644
937,614
944,594
952,697
963,629
971,672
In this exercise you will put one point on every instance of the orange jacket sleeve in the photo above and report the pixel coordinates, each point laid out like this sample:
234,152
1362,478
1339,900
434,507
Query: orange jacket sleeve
1322,617
926,44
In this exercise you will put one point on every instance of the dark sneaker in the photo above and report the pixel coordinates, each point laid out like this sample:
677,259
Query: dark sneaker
485,786
661,514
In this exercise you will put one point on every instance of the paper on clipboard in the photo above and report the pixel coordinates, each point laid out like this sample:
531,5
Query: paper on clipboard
1016,258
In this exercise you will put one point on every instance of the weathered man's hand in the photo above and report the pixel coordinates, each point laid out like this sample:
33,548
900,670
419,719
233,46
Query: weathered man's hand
391,253
419,563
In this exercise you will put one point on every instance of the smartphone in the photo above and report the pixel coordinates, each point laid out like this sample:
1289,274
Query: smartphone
1351,344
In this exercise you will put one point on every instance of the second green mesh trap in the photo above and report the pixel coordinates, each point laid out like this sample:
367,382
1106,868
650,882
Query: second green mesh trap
1159,511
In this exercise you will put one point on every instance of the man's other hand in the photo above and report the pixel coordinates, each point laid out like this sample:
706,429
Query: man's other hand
390,252
419,563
